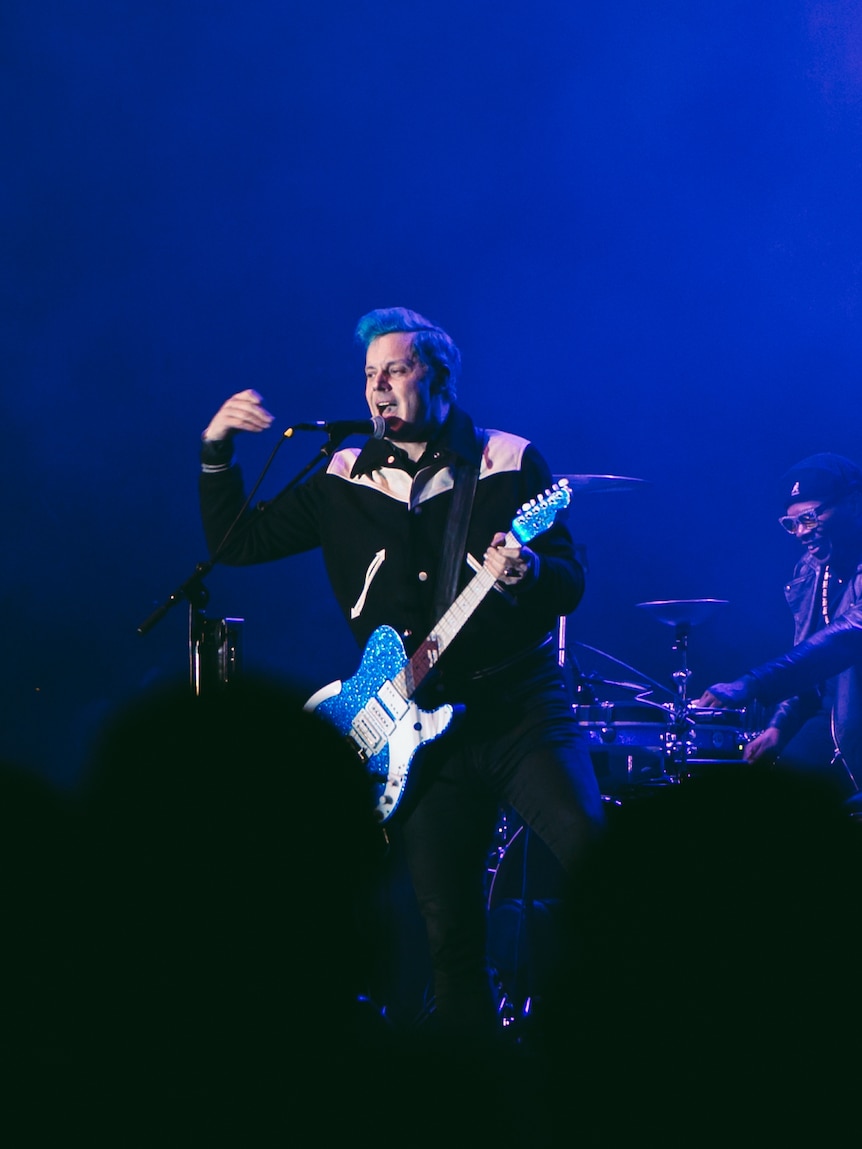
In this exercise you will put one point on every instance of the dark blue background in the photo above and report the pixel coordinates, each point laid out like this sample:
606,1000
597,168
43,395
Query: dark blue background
641,223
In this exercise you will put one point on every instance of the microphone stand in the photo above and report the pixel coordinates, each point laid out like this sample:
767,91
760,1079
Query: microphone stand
194,592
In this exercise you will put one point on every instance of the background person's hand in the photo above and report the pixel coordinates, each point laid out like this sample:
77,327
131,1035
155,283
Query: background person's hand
723,695
764,745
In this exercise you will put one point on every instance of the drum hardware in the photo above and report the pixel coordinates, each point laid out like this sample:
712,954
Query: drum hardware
682,615
627,741
626,737
523,890
592,484
215,652
642,687
587,694
638,743
584,687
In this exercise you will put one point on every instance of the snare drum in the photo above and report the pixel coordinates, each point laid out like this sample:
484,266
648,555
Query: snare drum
633,744
717,735
627,740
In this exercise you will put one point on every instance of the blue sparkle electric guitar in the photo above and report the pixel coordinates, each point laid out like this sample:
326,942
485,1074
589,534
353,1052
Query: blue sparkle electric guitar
375,709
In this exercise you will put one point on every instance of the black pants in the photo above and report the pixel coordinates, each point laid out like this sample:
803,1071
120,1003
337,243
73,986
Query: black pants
518,745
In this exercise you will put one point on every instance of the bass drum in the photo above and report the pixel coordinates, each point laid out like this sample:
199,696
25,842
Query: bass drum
524,890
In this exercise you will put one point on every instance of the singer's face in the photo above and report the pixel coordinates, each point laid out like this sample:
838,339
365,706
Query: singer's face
398,387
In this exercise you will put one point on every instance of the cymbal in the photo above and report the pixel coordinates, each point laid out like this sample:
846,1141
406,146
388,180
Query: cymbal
600,482
685,612
597,680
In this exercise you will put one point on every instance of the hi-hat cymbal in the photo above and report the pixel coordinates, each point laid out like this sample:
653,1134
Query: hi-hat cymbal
600,482
683,611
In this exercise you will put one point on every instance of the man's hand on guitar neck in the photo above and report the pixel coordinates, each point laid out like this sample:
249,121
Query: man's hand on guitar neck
510,565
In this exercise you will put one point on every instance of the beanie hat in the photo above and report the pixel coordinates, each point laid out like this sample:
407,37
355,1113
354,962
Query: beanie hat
820,477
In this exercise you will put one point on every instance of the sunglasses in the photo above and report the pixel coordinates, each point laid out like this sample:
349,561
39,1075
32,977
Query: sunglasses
805,521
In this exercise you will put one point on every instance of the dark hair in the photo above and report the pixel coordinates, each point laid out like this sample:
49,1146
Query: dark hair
432,344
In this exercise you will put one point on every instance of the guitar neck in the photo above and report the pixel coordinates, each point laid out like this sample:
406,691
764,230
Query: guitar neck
447,629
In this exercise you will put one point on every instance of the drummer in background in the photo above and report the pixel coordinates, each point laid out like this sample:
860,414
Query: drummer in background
816,687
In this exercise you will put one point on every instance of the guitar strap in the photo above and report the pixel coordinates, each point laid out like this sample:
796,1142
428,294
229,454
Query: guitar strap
454,546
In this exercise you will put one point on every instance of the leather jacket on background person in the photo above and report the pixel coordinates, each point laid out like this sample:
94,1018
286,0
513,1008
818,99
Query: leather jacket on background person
831,656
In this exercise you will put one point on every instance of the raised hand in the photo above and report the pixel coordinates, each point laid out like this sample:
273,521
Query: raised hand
242,412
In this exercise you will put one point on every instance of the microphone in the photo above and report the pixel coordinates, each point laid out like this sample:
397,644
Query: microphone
375,427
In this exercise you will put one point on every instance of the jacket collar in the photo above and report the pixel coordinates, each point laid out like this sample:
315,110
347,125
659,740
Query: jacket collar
456,441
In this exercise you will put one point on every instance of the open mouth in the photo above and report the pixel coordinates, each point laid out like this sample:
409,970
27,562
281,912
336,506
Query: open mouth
817,546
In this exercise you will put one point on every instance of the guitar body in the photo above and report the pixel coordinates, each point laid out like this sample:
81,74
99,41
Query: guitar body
375,709
386,727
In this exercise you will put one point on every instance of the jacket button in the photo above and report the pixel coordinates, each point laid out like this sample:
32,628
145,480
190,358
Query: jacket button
423,576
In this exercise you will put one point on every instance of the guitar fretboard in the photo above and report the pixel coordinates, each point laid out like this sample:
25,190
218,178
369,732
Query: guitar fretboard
425,658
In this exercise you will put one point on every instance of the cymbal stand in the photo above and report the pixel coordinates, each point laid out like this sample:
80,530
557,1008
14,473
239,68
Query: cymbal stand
682,615
681,725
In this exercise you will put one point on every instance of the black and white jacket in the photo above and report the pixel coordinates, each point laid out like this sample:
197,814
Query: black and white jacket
381,521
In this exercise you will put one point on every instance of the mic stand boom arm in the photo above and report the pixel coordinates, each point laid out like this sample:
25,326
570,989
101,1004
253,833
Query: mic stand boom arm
192,590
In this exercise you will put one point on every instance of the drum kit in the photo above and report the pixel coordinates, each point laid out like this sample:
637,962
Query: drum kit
641,742
634,740
636,744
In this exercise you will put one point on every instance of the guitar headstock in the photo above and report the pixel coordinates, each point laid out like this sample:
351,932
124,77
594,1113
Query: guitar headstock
539,513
